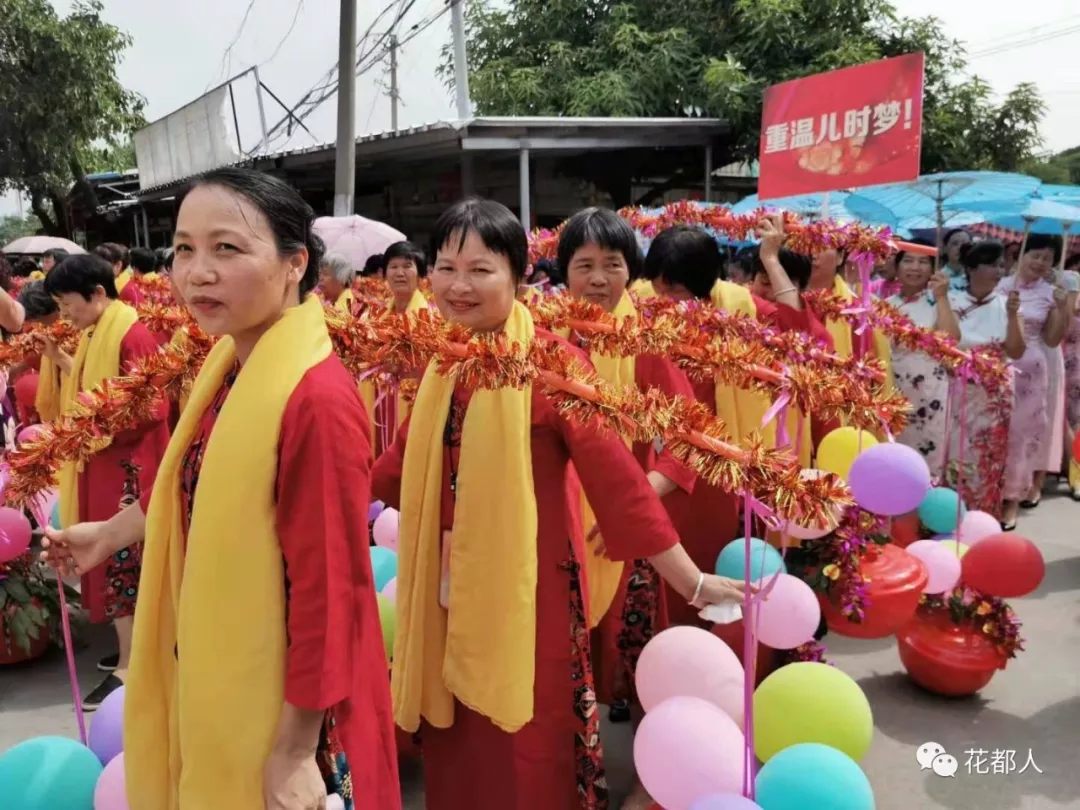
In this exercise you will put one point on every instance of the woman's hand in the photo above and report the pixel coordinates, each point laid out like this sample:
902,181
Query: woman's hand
48,347
718,590
770,231
1012,304
1061,296
293,783
939,286
79,548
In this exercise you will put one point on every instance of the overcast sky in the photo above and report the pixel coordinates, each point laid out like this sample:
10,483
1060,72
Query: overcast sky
182,48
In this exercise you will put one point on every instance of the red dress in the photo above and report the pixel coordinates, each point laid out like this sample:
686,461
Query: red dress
708,519
555,762
639,610
114,479
336,662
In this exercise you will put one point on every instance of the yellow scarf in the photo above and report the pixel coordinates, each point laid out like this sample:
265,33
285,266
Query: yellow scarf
37,275
122,280
96,359
345,300
842,334
367,388
741,410
482,651
209,658
643,288
602,574
47,398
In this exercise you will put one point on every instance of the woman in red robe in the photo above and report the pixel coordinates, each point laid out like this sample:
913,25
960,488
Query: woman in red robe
84,288
491,659
684,263
268,694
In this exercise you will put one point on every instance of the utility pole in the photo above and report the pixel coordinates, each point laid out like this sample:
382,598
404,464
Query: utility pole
461,65
345,152
393,82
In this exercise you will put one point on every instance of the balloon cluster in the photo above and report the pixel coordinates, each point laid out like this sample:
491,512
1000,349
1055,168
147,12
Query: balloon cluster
812,724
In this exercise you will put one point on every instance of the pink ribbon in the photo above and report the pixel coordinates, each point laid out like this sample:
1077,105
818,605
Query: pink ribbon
37,506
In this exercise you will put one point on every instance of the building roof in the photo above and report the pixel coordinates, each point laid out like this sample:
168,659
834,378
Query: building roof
443,139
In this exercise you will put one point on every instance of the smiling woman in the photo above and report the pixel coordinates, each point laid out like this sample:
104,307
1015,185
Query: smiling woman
260,506
491,656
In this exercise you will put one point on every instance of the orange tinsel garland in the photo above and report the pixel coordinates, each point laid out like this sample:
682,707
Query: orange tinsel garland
118,404
21,347
738,351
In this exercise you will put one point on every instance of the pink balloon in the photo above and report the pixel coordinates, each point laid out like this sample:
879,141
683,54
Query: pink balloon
15,534
790,614
942,563
977,526
335,802
390,590
686,749
690,662
110,793
385,529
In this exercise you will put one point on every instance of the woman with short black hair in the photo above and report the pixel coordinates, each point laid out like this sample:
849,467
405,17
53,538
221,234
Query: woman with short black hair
491,655
257,685
37,383
403,267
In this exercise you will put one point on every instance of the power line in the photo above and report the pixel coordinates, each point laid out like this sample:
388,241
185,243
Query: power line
292,26
994,42
227,55
1024,43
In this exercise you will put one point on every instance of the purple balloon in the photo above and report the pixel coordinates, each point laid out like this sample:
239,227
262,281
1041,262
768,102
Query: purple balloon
889,479
725,801
375,510
106,737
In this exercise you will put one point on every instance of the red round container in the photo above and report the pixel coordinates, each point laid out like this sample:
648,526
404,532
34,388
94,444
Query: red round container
945,658
905,529
895,581
16,654
732,635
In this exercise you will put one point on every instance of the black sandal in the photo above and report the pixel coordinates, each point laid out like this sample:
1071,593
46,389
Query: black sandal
1008,527
1031,504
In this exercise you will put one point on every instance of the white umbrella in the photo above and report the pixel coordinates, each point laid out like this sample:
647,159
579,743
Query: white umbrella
39,244
356,237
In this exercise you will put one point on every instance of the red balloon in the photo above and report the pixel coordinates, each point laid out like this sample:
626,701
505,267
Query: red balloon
1076,447
1003,565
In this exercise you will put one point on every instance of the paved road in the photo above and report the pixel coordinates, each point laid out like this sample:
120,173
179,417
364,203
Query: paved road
1034,704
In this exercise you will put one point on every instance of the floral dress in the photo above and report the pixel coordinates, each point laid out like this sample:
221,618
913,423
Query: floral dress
1071,350
925,384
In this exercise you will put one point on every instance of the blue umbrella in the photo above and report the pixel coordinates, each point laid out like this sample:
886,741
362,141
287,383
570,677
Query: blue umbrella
940,196
1032,216
1070,195
813,206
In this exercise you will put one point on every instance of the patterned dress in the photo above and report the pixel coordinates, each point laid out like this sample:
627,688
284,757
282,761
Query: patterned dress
1028,430
1071,350
925,384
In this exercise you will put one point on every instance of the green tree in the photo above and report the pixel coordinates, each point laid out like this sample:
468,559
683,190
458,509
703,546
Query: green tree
716,57
62,109
1063,168
13,227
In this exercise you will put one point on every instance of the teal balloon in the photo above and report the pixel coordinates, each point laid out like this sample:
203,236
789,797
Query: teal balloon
383,566
54,518
764,560
812,775
938,510
48,773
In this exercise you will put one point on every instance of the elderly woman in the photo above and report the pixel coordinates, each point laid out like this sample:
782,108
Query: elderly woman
986,318
1042,307
491,656
924,298
257,691
405,266
336,276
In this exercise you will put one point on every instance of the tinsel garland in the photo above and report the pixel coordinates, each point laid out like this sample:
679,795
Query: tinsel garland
21,347
117,404
834,562
982,365
691,433
736,350
801,237
156,289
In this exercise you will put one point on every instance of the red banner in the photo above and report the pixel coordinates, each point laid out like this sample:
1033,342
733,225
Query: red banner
858,126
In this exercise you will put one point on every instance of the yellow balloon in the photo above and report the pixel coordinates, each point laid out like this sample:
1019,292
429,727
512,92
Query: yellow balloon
838,450
810,702
956,547
388,622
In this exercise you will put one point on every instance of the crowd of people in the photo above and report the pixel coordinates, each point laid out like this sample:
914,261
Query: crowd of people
228,543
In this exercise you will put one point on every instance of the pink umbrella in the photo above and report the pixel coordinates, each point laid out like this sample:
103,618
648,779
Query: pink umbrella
39,244
356,237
